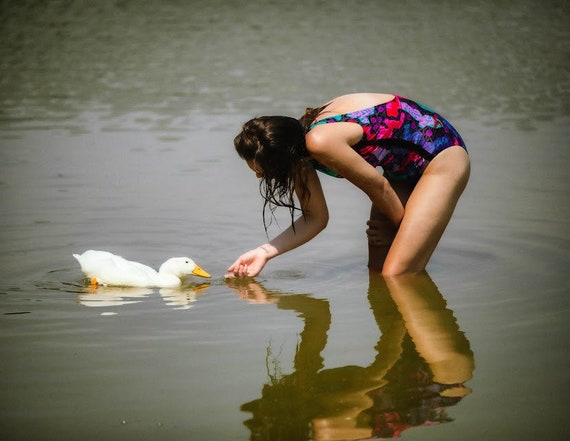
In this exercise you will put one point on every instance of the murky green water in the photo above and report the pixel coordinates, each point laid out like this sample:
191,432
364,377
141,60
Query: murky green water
116,128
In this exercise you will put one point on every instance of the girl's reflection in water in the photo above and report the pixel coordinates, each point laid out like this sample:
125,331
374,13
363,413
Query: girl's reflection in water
422,362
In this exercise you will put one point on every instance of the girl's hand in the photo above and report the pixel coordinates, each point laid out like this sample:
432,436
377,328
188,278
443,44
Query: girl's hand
249,264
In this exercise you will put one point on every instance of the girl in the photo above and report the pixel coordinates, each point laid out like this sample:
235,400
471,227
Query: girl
425,170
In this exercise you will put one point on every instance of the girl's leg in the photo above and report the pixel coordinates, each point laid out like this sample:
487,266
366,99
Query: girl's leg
428,211
381,231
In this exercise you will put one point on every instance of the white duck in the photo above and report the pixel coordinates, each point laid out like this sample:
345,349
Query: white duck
104,268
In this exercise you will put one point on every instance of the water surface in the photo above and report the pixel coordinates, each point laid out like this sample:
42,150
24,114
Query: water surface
117,120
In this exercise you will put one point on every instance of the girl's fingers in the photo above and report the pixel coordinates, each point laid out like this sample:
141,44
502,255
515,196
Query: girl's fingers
238,269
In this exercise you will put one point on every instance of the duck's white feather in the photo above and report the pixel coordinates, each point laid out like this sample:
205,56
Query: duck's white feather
109,269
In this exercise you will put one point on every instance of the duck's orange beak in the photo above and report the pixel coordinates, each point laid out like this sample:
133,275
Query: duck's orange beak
200,272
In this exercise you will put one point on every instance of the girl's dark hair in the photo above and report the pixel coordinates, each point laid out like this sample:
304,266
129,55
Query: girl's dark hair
310,115
277,145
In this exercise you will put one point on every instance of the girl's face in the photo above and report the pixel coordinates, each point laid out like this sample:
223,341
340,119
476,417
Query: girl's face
256,168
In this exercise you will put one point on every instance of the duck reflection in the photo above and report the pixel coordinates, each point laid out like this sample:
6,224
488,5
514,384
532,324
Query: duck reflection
109,296
422,362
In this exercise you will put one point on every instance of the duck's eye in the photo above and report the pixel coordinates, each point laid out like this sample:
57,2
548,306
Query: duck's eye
187,261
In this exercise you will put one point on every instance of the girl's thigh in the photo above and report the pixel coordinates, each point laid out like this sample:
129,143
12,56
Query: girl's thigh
428,211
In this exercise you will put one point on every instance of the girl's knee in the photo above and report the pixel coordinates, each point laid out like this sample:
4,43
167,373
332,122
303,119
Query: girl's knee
391,268
402,262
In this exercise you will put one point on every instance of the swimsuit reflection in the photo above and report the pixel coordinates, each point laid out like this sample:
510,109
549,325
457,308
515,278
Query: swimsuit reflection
422,362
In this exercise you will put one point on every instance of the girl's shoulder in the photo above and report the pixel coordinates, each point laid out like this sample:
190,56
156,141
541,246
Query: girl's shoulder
324,135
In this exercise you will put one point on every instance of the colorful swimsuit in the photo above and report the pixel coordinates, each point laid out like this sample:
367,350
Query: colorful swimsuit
401,136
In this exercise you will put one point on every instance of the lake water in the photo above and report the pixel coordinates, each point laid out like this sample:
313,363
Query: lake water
116,128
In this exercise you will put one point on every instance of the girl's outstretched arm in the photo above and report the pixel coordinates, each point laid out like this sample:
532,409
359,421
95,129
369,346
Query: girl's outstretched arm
312,222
